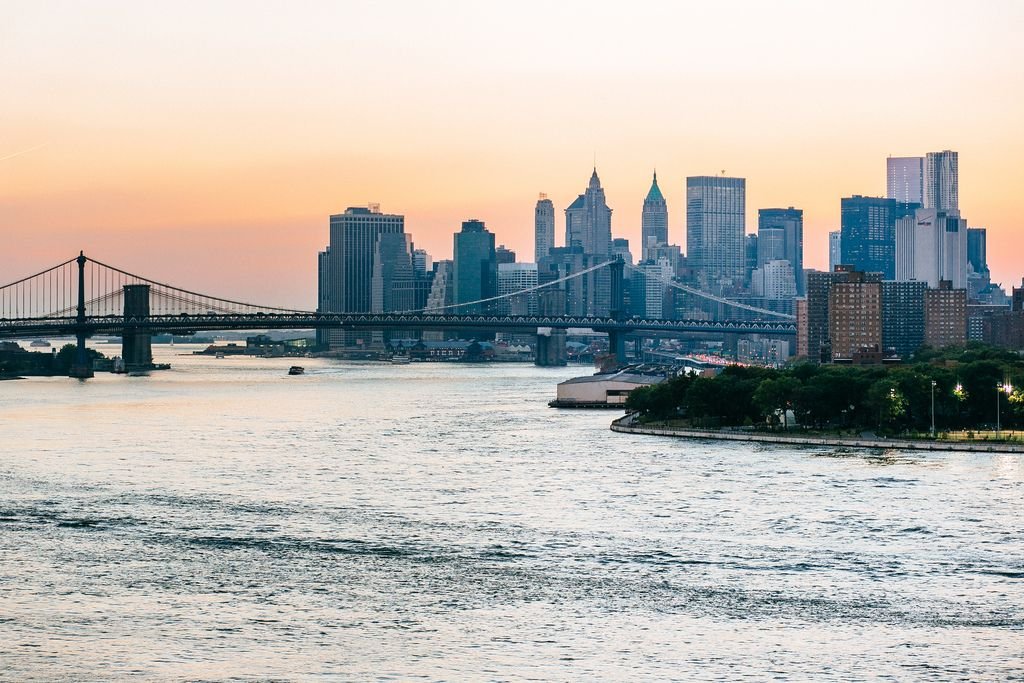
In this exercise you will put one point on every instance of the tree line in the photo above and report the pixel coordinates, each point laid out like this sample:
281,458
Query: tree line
968,383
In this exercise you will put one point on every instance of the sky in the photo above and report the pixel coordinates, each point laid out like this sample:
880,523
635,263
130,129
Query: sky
205,144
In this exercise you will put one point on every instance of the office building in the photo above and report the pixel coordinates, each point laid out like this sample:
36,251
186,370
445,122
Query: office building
780,236
654,218
516,277
750,253
941,181
441,296
902,317
476,267
588,220
543,227
422,264
905,179
977,250
931,245
813,313
715,229
774,280
504,255
868,238
620,249
589,294
945,316
835,253
349,260
323,288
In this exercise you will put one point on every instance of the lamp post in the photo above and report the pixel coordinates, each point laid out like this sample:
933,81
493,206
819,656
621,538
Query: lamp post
933,409
999,390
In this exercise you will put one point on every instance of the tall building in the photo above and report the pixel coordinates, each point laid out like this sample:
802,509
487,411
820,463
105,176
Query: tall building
440,296
543,227
323,288
855,316
588,220
931,245
715,229
589,294
647,289
945,316
515,277
835,249
942,181
977,250
620,249
813,333
476,266
774,280
504,255
902,317
422,264
780,236
905,179
868,238
750,257
349,261
654,219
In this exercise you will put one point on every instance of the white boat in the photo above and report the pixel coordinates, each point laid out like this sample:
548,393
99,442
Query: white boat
400,360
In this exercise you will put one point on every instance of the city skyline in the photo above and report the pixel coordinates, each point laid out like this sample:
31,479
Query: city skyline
245,143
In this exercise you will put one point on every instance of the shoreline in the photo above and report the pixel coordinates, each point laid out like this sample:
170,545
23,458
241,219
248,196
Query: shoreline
624,425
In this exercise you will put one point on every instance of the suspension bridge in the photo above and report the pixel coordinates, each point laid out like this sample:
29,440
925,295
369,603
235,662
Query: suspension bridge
82,297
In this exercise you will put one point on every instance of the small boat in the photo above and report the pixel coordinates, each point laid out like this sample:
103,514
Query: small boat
400,360
220,354
40,343
296,370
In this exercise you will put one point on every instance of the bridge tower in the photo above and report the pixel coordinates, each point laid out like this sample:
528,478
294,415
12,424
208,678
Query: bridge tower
81,368
617,339
136,346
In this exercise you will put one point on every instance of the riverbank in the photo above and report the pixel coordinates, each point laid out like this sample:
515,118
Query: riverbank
627,425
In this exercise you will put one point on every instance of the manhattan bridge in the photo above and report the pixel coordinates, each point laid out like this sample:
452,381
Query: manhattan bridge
83,297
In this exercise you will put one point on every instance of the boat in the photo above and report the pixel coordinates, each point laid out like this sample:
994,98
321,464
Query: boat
296,370
39,343
219,354
400,360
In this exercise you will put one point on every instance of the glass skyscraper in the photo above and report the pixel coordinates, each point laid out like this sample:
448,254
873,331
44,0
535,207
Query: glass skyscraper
904,179
715,226
543,227
868,239
942,181
476,267
780,237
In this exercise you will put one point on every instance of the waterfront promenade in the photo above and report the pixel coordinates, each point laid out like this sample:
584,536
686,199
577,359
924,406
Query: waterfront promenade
628,425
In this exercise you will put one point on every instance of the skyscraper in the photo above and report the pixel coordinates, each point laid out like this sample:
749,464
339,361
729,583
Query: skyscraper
868,238
715,227
654,219
835,249
780,236
349,261
931,245
543,227
942,181
977,250
904,179
588,220
476,266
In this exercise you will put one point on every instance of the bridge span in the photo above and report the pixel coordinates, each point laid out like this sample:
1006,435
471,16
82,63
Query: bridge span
83,297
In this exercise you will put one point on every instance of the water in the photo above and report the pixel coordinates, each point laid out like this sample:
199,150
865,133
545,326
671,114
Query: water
434,521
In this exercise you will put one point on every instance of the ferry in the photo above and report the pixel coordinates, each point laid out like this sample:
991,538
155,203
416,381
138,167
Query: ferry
400,360
39,343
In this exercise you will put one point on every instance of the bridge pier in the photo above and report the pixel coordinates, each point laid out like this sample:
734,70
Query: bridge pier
617,346
550,348
136,346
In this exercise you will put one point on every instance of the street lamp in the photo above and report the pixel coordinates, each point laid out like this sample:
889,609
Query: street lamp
999,390
933,409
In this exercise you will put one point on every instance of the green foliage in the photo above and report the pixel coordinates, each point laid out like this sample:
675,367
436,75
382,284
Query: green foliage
892,399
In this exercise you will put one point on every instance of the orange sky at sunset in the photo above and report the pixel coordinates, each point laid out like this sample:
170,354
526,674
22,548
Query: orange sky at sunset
206,144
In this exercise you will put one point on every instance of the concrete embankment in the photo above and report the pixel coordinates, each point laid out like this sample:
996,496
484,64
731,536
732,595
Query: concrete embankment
626,425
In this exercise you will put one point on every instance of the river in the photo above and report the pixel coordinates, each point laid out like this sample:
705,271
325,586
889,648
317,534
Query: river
438,521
